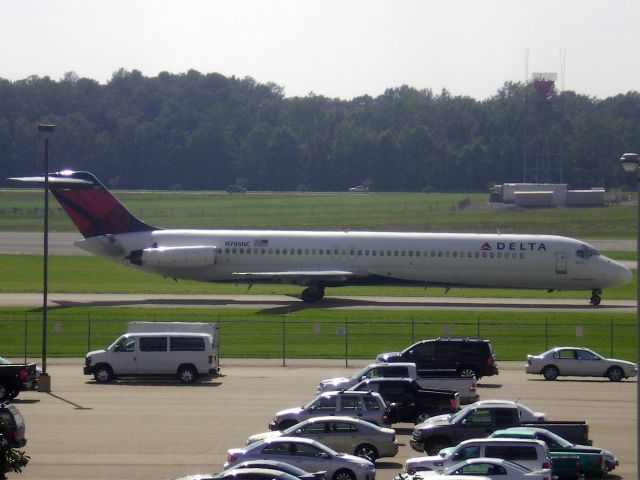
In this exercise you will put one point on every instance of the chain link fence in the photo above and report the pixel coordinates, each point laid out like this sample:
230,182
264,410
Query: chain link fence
342,337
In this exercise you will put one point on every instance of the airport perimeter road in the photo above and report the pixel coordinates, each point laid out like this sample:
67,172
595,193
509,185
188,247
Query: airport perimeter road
162,430
271,302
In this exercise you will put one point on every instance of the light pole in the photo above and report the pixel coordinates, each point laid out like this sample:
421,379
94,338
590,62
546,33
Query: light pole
630,162
44,382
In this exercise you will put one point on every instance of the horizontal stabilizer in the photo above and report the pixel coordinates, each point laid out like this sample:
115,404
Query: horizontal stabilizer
60,182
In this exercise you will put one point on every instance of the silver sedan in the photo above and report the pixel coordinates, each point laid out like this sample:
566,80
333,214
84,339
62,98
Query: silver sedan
344,434
580,362
306,454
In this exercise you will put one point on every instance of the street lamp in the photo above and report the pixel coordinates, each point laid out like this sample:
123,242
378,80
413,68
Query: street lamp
630,162
44,382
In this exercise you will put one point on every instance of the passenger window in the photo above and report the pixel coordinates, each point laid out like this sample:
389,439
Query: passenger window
304,450
370,403
276,449
325,404
186,344
350,404
316,428
344,428
479,417
153,344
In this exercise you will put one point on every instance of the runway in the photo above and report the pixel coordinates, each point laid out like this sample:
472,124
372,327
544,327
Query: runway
284,304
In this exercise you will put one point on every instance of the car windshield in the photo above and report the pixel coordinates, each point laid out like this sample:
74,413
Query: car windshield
557,439
360,373
460,415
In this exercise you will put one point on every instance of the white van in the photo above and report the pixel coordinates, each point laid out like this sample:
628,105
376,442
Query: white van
187,355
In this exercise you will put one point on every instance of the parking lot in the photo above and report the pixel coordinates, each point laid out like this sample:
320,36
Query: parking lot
159,429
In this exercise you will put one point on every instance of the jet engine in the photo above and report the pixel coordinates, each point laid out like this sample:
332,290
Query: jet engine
174,257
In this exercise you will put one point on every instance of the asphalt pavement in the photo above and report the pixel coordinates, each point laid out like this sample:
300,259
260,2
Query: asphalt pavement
159,429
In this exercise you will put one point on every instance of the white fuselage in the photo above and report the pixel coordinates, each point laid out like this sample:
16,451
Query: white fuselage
343,258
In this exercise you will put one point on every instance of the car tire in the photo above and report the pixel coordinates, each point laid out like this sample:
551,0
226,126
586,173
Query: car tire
435,444
187,374
550,372
615,374
344,474
467,372
14,393
366,451
103,373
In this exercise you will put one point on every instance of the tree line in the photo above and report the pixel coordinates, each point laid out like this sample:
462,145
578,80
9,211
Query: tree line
206,131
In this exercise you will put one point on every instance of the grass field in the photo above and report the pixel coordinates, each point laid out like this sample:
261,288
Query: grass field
321,333
21,210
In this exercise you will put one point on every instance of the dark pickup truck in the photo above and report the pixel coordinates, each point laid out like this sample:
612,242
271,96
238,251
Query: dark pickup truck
408,401
15,377
480,421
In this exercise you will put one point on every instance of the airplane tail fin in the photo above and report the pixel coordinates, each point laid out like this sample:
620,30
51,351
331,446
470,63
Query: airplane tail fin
89,204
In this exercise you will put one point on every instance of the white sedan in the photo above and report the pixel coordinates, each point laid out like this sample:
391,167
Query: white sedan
493,468
580,362
307,454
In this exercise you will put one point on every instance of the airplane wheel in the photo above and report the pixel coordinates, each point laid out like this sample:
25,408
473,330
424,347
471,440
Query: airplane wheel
595,300
311,295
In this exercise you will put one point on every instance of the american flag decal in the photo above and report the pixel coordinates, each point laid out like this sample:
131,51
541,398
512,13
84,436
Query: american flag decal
260,243
485,246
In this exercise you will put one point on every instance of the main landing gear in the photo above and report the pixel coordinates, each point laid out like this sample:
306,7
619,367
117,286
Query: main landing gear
595,297
312,293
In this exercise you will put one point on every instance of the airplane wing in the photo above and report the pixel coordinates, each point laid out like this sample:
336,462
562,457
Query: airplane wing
304,276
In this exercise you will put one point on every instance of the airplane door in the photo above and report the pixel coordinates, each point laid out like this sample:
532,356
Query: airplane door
561,262
335,252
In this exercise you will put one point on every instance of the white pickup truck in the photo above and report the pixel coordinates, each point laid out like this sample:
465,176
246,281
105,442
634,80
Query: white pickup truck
465,386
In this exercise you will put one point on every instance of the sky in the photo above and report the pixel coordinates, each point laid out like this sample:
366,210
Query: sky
335,48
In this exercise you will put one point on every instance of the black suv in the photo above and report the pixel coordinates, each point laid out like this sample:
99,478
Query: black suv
460,356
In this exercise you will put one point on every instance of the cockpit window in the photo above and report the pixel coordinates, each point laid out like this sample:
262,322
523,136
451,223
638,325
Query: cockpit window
585,252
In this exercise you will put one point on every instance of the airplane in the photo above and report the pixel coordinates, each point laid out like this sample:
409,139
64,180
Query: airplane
319,259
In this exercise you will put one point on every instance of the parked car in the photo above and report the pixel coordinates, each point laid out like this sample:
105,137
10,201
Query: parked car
285,467
363,405
245,474
465,386
15,424
495,469
359,188
580,362
271,465
344,434
409,402
306,454
532,454
593,461
483,418
465,357
236,189
15,377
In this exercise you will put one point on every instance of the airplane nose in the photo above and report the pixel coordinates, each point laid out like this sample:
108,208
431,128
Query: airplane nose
621,274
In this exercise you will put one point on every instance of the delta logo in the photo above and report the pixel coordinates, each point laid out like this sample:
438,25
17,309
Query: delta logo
515,246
